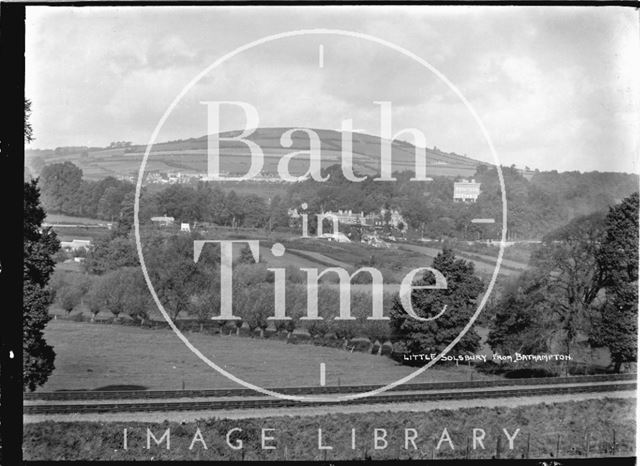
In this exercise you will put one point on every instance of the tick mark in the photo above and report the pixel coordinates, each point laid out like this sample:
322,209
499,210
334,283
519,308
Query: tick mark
322,374
321,56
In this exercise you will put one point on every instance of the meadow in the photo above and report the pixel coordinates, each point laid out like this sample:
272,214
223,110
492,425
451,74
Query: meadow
601,427
91,356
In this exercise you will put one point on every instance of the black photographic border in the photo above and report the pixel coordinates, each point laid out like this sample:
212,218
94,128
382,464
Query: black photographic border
12,51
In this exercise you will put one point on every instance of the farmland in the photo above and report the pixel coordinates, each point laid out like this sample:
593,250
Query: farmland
189,156
569,429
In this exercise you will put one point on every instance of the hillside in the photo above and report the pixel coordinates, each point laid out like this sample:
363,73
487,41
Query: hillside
190,156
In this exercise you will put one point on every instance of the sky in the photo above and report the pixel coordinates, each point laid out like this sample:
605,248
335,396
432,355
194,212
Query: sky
557,88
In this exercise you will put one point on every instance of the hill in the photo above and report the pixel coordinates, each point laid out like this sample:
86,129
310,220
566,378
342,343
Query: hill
190,156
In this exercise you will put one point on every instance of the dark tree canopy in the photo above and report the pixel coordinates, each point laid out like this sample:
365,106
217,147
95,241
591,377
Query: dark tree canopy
522,317
40,244
617,324
463,288
582,281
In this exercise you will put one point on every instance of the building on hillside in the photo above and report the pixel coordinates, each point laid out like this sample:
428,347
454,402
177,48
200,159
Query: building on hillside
185,227
75,244
393,217
466,191
163,221
347,217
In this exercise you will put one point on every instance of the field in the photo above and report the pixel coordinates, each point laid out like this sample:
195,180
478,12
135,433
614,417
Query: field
395,261
70,220
95,356
570,429
484,264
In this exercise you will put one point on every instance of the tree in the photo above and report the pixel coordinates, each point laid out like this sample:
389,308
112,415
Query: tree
60,183
110,254
92,299
174,274
463,287
40,244
522,317
120,291
180,202
616,325
205,304
278,214
258,307
125,216
254,211
110,203
68,297
28,130
233,209
570,276
135,294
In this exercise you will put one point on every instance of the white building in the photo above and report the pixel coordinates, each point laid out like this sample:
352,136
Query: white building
185,227
466,191
75,244
163,221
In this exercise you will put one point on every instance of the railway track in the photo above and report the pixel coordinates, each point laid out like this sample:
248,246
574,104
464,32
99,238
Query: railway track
414,393
236,392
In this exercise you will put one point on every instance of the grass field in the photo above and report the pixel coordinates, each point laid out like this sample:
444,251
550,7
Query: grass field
92,356
68,219
557,430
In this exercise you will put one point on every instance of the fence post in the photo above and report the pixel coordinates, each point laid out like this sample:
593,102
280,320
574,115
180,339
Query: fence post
588,442
433,450
614,441
528,445
498,448
558,446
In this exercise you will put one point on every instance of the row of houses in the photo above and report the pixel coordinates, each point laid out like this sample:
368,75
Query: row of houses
374,219
172,177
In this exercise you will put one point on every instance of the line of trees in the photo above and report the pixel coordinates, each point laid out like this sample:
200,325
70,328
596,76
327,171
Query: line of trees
65,191
535,207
